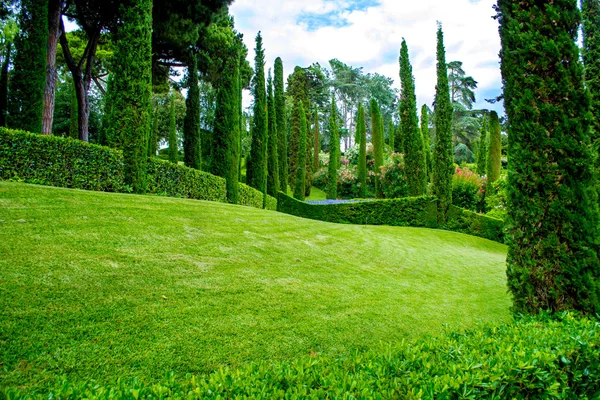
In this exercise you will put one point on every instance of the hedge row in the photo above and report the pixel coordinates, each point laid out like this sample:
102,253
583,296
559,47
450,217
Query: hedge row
65,162
539,357
410,211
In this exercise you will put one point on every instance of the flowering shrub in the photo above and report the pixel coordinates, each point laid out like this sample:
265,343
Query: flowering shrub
393,177
348,182
468,190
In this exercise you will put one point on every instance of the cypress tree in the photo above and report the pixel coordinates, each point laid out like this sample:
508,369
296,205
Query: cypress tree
225,141
552,261
310,146
377,138
192,154
391,134
426,140
273,162
4,85
334,151
317,141
443,158
281,122
28,77
133,88
416,170
298,91
73,120
299,126
173,145
399,139
153,138
494,149
483,148
361,131
256,172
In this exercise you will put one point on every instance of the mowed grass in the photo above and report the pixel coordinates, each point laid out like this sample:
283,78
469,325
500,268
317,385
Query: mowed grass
102,286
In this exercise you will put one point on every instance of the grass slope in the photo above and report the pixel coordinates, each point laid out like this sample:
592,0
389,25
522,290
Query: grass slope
99,285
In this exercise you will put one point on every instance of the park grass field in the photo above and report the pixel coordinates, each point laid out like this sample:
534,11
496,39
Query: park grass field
103,286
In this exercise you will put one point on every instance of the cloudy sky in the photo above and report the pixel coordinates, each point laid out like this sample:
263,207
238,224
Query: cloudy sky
368,34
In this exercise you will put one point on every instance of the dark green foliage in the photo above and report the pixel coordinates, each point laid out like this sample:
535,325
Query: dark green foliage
552,209
73,121
414,157
494,152
192,148
110,135
273,170
173,142
399,139
426,140
54,161
334,151
300,183
317,143
361,133
297,91
28,76
377,139
538,357
4,85
391,134
133,89
483,147
256,170
591,58
281,121
310,149
443,167
153,137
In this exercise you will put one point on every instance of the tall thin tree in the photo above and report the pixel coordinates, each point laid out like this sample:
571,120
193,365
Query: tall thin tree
494,152
334,151
483,147
281,120
273,161
361,131
377,139
426,140
192,150
173,143
300,125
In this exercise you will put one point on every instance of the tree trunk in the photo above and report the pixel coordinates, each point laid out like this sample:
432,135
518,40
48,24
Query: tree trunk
54,14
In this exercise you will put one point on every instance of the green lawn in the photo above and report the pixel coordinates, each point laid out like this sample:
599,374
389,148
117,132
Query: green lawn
99,285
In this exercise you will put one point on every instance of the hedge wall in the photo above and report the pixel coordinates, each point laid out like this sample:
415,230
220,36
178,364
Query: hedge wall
70,163
539,357
410,211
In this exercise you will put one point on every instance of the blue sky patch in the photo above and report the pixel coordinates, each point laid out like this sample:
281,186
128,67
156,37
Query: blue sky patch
334,19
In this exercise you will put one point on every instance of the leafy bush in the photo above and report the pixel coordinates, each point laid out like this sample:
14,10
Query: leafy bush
467,190
393,177
348,182
533,358
320,178
248,196
495,197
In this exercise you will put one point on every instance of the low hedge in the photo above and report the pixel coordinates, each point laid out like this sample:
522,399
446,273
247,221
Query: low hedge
408,211
70,163
543,357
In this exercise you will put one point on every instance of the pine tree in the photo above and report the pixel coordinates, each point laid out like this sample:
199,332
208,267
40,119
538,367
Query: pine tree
334,151
426,140
361,131
483,148
281,121
4,85
494,149
133,88
443,159
377,138
28,76
192,148
552,261
256,172
273,162
173,147
224,160
299,126
416,170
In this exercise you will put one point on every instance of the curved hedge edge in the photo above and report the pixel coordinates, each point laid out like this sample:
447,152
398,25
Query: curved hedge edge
248,196
534,357
409,211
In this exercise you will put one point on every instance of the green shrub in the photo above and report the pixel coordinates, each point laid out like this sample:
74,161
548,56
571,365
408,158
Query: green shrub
249,196
467,190
471,223
319,178
495,197
394,182
539,357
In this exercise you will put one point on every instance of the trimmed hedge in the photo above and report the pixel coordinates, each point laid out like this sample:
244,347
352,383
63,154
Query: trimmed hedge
535,357
70,163
409,211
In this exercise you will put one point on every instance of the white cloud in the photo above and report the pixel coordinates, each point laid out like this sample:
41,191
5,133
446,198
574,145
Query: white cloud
371,37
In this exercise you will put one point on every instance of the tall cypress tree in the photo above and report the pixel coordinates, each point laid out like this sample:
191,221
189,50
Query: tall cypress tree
426,140
227,124
133,88
334,151
28,77
256,172
273,162
173,146
483,148
4,85
361,131
443,158
552,261
153,138
192,154
310,147
299,126
377,138
416,170
297,91
494,149
281,121
391,134
317,141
